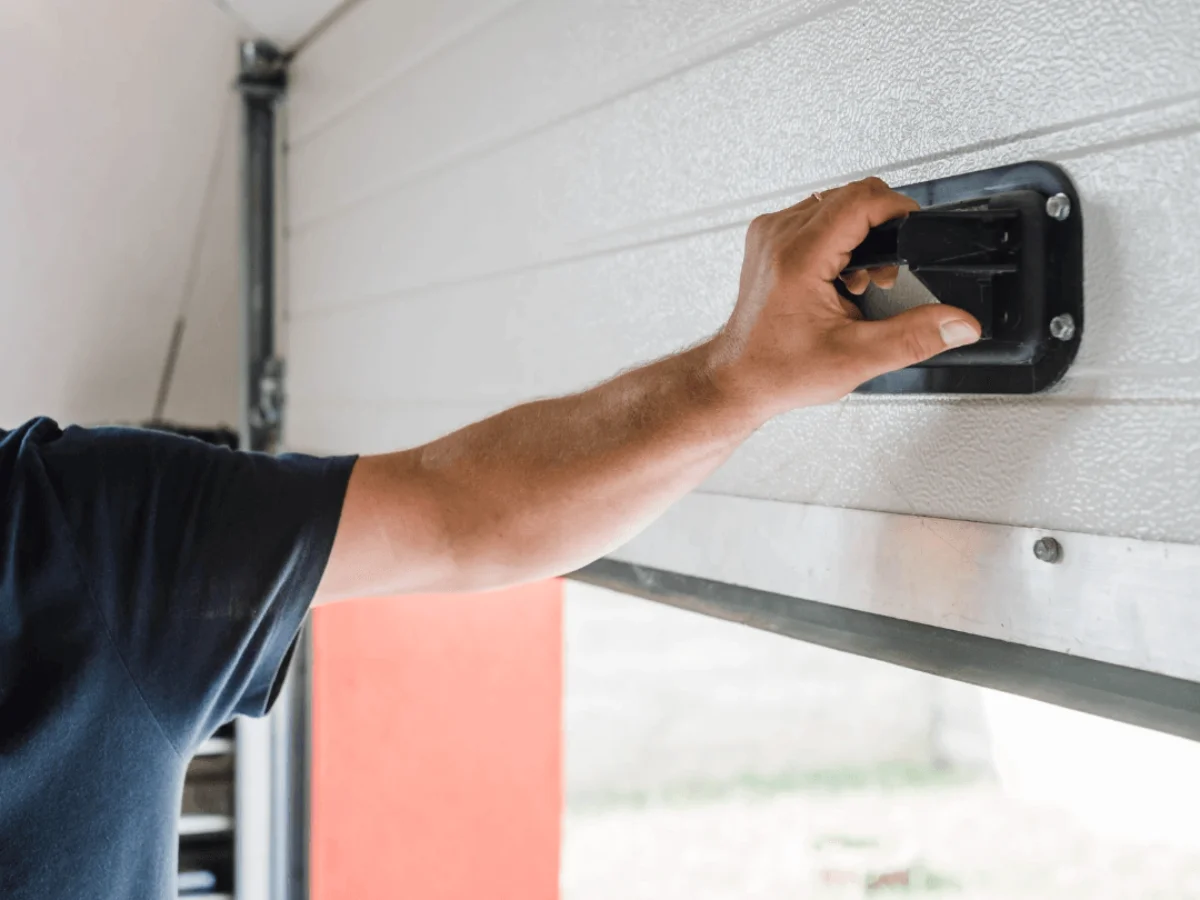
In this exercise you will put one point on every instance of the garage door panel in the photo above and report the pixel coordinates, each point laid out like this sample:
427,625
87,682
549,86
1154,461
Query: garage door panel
742,124
1077,460
520,200
517,72
564,326
459,229
1140,296
384,256
488,339
370,47
1101,468
1118,469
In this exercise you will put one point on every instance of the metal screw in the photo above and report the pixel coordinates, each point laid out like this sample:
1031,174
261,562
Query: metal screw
1058,207
1048,550
261,58
267,413
1062,328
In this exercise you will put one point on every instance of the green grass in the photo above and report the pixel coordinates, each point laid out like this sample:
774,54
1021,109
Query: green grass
887,776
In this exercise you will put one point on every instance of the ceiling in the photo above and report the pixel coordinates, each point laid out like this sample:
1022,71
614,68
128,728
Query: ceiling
285,22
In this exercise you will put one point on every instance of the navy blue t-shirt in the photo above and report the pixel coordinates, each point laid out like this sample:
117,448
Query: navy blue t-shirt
151,587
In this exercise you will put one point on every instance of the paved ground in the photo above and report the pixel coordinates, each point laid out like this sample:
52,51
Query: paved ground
963,841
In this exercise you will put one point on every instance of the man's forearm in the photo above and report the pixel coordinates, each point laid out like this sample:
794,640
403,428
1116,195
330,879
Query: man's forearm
548,486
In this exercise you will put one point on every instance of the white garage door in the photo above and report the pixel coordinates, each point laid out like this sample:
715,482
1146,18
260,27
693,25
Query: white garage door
490,201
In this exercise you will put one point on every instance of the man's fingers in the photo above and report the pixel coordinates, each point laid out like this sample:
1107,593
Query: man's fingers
885,276
859,280
911,337
856,282
845,216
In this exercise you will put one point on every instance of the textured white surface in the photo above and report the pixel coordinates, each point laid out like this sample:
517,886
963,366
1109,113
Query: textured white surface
113,115
492,200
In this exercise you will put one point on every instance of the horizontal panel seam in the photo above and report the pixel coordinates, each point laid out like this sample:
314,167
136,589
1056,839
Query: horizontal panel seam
738,206
415,61
694,56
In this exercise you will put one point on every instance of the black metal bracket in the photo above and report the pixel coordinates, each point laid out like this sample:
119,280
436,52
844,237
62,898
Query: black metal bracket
262,83
263,70
1006,245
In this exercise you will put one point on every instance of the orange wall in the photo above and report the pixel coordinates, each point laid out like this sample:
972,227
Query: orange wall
437,735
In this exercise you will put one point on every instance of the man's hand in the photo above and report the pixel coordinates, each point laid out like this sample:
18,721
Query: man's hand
793,340
549,486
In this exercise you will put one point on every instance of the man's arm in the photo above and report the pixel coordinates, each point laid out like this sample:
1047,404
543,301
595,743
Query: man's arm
546,487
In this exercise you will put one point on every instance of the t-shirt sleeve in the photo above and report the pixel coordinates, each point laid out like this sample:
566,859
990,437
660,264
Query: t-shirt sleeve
203,562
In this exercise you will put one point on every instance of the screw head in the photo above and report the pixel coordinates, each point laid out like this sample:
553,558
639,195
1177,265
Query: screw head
1058,207
1062,328
1048,550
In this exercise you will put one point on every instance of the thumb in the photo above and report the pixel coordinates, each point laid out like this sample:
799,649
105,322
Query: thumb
910,337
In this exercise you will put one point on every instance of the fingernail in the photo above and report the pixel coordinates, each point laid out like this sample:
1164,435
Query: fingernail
957,333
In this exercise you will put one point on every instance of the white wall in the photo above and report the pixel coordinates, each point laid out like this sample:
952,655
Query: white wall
494,200
113,117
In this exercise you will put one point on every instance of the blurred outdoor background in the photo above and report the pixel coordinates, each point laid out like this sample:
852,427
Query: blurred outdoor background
708,760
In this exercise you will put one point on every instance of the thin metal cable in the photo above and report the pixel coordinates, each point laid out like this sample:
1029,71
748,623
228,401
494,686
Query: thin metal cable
321,27
193,270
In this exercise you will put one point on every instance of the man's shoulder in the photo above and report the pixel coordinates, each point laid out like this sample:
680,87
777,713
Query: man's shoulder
42,459
90,449
37,431
20,446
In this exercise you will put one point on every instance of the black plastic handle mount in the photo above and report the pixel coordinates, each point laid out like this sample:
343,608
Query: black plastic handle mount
997,244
